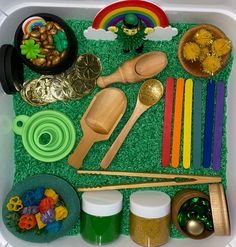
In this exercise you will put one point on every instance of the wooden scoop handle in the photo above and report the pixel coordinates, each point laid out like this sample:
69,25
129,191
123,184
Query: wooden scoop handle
77,157
139,109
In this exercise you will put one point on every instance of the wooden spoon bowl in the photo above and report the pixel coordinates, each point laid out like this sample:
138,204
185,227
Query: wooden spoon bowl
194,68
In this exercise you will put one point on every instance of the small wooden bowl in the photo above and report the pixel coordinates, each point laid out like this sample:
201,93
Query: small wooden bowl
179,199
195,68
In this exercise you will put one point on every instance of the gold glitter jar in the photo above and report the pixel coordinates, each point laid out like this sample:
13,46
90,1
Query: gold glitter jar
150,218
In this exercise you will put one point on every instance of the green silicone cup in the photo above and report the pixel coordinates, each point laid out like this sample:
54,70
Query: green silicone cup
56,125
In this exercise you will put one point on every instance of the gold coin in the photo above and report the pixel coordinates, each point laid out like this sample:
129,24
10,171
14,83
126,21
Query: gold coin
45,83
37,91
69,92
57,85
88,66
30,95
83,87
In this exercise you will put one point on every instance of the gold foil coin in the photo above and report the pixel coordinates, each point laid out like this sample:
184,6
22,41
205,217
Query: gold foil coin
88,66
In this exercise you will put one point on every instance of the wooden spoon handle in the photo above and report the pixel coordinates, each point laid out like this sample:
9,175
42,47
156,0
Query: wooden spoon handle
121,137
77,157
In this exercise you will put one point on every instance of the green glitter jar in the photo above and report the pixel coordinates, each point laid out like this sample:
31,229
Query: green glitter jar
101,216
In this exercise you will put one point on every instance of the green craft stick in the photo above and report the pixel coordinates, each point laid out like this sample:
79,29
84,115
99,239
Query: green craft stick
197,111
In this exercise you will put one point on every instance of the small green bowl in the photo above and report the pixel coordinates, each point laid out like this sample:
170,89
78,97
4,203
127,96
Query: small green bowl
63,188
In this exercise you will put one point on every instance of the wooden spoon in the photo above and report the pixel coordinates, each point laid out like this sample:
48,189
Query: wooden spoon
150,93
99,121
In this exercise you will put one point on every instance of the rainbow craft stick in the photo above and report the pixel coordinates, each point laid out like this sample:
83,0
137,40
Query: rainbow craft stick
188,99
219,118
166,139
208,123
197,122
177,122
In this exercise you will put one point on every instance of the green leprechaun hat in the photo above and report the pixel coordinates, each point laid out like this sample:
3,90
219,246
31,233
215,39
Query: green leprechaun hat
131,21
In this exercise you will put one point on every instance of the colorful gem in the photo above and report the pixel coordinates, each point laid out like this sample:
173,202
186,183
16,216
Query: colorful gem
28,198
61,213
30,210
48,216
195,199
182,219
51,193
54,227
27,222
39,194
39,222
14,204
46,204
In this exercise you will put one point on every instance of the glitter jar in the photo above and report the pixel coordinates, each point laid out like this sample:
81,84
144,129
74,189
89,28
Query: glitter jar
150,218
101,216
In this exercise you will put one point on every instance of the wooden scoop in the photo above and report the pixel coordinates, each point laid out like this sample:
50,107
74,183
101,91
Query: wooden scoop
136,69
99,121
150,93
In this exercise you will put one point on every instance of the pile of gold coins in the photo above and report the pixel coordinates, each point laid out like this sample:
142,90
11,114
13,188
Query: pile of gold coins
72,84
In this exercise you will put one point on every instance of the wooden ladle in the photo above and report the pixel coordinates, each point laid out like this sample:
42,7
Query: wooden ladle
99,121
149,94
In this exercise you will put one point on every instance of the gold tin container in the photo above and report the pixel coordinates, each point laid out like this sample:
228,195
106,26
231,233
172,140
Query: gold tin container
150,218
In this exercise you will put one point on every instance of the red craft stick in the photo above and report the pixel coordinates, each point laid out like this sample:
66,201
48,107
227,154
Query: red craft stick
166,138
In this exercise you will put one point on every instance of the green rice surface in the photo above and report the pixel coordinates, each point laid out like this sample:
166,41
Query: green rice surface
141,150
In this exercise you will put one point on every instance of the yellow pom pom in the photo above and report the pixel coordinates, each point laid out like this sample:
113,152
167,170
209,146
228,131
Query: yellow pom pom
204,52
203,37
39,222
221,47
211,64
191,51
61,213
51,193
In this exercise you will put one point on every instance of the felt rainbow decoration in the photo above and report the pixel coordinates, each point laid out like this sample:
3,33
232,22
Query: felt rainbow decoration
148,12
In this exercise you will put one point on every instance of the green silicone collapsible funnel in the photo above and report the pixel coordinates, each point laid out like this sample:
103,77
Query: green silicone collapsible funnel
47,136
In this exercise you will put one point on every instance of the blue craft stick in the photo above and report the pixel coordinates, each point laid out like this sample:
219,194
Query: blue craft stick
208,123
197,124
219,119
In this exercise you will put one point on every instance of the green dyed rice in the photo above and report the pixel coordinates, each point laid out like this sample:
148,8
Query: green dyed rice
141,151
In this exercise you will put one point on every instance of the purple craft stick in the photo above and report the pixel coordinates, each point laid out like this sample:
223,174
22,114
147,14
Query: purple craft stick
219,118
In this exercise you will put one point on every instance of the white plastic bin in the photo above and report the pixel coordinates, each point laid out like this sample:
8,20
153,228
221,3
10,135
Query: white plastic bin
218,12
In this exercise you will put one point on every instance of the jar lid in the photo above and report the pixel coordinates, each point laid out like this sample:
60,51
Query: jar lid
150,204
11,70
219,204
102,203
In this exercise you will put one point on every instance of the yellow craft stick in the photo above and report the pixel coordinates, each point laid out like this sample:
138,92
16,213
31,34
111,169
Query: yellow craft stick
188,99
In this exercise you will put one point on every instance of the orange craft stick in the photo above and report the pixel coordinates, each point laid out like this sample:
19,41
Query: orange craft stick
177,122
